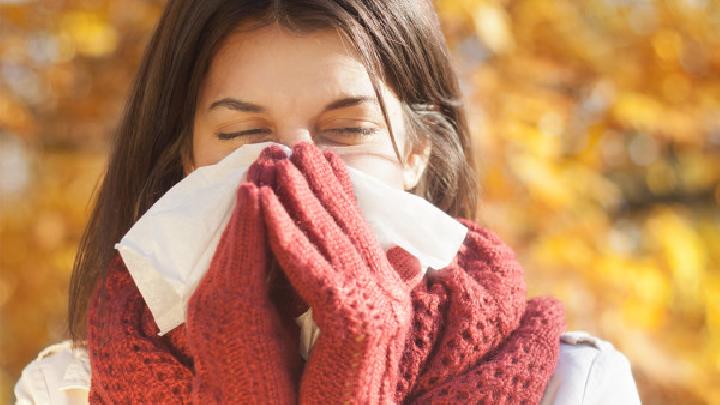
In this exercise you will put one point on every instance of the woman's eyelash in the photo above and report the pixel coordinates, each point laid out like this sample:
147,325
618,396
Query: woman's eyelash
256,131
361,131
231,135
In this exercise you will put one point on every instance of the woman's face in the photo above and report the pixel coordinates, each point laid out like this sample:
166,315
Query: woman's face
272,85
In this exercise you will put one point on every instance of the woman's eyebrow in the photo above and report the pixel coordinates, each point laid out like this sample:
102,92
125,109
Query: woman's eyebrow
349,101
237,105
240,105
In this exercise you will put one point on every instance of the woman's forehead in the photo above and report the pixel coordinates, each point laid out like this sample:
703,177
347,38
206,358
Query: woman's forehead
272,66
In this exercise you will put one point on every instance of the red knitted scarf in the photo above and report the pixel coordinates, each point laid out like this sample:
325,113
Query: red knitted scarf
474,336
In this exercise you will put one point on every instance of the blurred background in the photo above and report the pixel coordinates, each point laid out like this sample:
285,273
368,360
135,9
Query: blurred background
597,126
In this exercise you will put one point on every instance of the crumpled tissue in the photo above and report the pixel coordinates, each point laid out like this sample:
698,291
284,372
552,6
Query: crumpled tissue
169,248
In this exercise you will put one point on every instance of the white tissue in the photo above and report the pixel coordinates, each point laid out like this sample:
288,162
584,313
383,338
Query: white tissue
169,249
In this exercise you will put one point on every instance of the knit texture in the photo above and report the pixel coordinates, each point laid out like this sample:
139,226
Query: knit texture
474,337
464,333
360,303
234,334
256,363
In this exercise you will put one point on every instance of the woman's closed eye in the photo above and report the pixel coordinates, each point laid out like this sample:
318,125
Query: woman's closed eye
224,136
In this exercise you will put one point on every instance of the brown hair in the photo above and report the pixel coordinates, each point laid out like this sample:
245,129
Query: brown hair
400,42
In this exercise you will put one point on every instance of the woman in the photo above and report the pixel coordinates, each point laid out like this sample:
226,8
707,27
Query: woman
310,74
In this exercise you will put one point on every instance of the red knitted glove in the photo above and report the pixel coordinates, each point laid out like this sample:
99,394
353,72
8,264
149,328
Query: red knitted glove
239,344
360,302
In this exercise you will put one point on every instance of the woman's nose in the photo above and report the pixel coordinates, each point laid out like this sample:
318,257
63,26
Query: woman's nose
293,136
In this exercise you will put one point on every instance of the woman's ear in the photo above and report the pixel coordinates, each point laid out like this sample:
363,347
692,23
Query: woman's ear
187,161
416,163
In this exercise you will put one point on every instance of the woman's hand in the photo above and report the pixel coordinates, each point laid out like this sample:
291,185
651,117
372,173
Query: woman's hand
239,345
360,301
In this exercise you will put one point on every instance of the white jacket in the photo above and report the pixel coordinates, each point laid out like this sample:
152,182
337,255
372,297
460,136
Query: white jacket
589,371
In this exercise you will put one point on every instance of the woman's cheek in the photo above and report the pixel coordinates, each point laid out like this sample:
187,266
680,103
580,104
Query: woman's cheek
385,170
